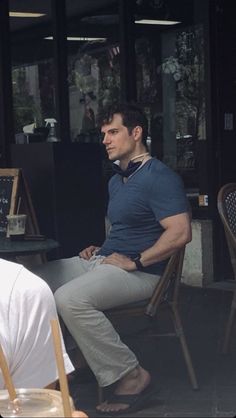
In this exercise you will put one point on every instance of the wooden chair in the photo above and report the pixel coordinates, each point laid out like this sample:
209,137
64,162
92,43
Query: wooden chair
165,294
226,203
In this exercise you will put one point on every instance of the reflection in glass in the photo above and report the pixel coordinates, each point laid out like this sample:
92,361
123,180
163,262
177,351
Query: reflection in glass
93,64
94,83
32,73
171,85
33,94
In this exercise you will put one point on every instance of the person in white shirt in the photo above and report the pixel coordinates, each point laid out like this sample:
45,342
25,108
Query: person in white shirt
27,306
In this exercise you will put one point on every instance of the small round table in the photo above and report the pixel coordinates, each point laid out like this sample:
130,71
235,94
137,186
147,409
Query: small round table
10,249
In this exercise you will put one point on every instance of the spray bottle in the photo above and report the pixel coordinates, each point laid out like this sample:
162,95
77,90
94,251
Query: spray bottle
50,122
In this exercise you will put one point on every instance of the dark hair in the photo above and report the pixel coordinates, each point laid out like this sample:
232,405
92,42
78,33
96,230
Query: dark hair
132,115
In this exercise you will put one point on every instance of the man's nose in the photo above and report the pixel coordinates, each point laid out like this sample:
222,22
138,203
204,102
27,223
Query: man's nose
105,139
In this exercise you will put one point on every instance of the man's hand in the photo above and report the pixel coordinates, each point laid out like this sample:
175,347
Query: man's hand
88,252
121,261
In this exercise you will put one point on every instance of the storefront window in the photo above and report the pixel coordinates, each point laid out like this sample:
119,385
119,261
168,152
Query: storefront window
94,71
94,82
33,94
182,72
32,72
171,86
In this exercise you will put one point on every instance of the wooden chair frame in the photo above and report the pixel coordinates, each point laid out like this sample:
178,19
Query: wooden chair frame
226,204
165,293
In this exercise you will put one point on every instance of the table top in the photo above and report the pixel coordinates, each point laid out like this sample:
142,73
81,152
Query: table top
27,247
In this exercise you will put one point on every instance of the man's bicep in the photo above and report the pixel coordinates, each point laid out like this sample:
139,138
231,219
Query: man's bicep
179,223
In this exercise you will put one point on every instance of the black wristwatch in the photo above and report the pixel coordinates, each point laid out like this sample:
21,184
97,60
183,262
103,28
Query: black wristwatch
137,261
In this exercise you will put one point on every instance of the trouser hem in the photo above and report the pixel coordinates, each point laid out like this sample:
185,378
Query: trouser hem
121,375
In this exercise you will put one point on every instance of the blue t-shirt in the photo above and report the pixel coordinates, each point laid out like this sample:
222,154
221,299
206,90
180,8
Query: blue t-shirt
136,208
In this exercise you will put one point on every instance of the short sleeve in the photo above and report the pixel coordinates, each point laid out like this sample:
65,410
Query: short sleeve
32,306
167,196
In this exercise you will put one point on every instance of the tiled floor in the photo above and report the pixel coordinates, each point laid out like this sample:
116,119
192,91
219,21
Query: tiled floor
204,313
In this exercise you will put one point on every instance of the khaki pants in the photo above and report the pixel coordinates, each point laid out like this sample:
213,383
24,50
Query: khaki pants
91,287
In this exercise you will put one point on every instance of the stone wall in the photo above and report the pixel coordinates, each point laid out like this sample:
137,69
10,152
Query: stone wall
198,262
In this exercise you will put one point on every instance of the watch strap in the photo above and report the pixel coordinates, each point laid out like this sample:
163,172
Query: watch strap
137,261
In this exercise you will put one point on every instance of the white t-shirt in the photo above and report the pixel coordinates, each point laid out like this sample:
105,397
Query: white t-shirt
26,307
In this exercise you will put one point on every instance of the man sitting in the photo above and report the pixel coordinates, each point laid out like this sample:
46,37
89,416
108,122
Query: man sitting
148,212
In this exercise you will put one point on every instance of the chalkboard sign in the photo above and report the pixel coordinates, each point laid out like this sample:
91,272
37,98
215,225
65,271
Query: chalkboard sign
8,194
15,197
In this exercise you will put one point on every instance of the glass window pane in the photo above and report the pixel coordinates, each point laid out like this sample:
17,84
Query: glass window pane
93,68
32,70
171,84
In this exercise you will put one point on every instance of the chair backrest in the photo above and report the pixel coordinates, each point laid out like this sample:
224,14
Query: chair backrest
167,287
226,204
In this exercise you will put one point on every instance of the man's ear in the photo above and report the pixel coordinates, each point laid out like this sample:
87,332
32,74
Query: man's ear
137,133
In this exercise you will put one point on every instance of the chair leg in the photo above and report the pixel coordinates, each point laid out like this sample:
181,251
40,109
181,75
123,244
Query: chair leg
186,353
229,324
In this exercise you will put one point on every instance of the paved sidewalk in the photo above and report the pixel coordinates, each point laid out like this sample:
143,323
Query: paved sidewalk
204,314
